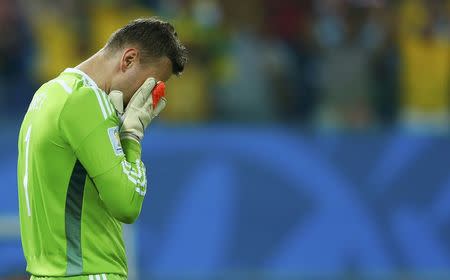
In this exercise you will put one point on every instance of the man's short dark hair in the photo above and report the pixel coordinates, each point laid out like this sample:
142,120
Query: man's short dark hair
156,38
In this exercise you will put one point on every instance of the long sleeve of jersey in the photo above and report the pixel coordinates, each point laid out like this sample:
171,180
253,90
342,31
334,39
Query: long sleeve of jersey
89,125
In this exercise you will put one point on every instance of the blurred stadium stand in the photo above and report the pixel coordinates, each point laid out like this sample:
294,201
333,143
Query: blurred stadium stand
305,138
322,64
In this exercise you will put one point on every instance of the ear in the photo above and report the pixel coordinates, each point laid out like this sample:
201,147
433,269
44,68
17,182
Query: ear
129,57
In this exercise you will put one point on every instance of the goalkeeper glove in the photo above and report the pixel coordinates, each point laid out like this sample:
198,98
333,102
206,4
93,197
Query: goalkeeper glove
147,102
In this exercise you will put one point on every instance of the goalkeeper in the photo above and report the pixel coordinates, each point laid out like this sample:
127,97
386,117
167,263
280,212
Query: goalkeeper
80,174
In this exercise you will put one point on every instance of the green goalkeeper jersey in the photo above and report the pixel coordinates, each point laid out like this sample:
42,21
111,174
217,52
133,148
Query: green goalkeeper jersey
77,181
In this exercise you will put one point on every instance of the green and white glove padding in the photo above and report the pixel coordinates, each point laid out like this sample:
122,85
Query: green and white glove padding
139,112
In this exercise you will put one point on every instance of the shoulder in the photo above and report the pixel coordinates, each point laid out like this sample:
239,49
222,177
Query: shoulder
83,94
90,100
86,110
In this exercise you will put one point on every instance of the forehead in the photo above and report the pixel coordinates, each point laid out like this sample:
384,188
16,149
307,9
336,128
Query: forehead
160,69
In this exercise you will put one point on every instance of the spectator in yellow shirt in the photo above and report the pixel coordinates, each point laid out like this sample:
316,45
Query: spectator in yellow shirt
425,53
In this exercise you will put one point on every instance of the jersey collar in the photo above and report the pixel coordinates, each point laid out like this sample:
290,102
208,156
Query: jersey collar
84,75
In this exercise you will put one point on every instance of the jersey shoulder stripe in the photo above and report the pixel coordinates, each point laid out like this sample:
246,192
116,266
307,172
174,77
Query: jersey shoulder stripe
64,85
105,100
100,102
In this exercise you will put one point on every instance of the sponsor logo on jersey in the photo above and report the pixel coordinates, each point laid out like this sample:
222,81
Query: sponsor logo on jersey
113,133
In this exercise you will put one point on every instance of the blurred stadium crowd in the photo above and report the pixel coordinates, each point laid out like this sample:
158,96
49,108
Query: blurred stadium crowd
321,64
